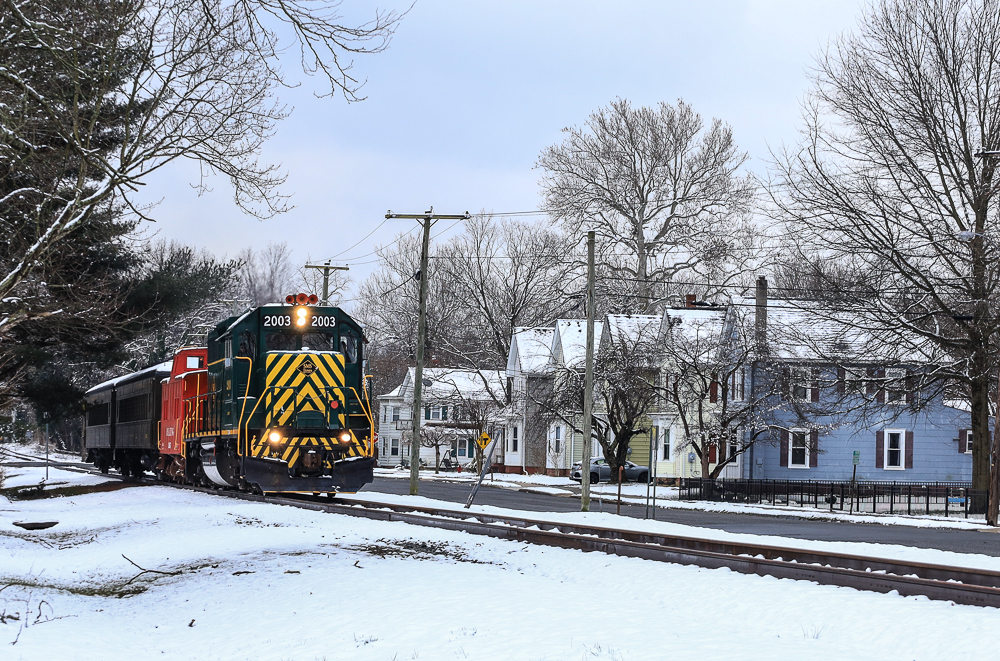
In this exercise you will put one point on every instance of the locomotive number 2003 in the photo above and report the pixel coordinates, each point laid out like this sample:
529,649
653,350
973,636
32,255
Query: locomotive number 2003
279,320
325,322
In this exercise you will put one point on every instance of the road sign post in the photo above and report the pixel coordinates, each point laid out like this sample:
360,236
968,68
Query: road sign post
483,441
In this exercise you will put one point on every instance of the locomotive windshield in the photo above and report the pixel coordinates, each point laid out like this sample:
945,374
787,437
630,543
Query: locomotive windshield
315,341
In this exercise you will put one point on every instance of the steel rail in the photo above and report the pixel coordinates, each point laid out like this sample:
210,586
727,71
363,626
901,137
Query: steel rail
975,587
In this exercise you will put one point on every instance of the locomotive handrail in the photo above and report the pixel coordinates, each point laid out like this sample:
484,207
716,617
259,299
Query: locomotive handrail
240,438
371,423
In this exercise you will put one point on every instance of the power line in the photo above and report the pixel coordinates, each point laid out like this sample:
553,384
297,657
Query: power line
361,241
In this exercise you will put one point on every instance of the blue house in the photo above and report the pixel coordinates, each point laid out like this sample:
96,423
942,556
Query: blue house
839,400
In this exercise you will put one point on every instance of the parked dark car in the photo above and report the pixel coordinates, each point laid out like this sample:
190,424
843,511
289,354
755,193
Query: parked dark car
600,471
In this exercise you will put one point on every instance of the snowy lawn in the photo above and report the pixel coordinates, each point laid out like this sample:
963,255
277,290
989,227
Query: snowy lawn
239,580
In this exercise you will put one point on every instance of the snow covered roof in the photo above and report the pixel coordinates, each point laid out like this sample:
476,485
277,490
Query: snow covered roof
632,327
392,394
530,350
443,383
805,330
694,323
162,367
569,346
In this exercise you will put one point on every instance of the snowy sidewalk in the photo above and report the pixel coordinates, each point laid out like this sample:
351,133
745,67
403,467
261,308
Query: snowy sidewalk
666,498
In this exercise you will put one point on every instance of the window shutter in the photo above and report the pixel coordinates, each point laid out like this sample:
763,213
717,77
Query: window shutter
814,395
841,380
814,448
785,378
444,412
713,457
879,449
427,413
783,460
722,451
713,390
880,395
909,449
963,437
909,387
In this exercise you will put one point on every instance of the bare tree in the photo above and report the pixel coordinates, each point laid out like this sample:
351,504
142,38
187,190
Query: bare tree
505,274
663,193
437,437
707,386
190,79
888,181
266,276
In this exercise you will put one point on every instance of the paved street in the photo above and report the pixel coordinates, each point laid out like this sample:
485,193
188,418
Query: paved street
962,541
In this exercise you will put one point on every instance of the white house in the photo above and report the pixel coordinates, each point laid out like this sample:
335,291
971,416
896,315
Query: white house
456,405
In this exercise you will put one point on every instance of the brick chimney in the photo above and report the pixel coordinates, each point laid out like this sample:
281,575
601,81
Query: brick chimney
760,316
689,300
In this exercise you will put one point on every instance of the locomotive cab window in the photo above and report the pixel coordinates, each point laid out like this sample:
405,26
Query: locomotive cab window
348,345
279,341
318,341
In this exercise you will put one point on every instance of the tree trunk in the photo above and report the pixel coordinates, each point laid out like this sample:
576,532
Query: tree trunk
437,459
980,393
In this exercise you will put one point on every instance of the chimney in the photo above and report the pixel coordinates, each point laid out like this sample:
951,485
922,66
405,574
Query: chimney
689,300
760,316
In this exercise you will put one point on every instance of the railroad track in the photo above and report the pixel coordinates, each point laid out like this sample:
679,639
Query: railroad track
973,587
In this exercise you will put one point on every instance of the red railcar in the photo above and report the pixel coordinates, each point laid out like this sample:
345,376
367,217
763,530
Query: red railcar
183,407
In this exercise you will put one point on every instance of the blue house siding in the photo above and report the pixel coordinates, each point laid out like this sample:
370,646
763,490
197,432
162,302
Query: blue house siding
935,449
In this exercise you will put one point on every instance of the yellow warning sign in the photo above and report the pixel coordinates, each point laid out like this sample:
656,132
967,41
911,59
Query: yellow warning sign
483,440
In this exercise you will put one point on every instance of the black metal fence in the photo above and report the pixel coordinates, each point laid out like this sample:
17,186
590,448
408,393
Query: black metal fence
938,498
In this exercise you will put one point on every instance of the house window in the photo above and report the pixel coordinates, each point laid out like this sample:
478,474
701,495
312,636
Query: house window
736,386
385,413
799,384
394,447
665,441
513,439
395,414
895,449
435,412
968,440
798,448
895,385
460,447
854,381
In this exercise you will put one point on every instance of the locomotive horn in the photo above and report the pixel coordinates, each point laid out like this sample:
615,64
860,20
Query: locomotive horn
301,299
313,299
290,299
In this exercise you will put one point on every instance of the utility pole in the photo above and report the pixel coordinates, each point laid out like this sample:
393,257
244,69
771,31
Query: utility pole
588,382
427,218
326,268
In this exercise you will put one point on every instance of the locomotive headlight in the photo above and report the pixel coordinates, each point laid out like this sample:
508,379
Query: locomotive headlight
274,437
345,437
301,314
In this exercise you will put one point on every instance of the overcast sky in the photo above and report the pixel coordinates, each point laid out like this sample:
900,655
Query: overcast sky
469,93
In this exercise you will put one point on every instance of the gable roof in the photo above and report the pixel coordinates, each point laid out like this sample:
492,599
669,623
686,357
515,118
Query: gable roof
569,346
530,350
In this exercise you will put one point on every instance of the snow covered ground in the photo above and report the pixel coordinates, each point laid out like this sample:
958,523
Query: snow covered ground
239,580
